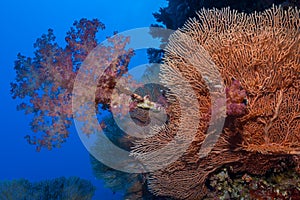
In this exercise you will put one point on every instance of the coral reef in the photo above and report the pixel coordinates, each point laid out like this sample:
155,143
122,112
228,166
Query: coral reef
60,188
258,58
282,183
261,52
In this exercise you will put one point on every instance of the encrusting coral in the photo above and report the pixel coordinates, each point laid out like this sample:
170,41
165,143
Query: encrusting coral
258,57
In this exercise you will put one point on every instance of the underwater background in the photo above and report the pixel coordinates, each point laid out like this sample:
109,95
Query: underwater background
70,164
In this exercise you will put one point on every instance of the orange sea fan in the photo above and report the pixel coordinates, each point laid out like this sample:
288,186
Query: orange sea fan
262,52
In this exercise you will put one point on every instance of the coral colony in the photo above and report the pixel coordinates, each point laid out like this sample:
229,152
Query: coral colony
258,57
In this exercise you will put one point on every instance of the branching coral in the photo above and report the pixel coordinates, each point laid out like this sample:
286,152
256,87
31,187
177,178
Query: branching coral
47,79
258,57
